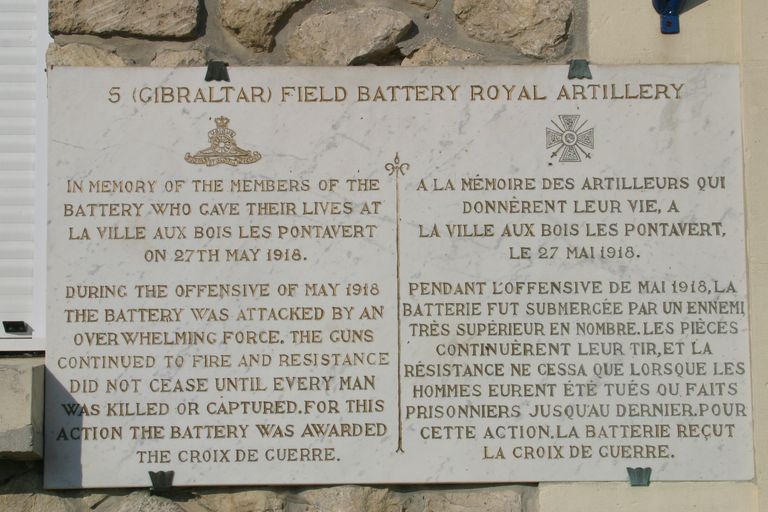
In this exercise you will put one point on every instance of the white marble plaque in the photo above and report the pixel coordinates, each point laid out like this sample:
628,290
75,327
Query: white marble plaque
383,275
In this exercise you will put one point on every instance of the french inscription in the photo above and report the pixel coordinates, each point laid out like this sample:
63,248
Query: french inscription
416,278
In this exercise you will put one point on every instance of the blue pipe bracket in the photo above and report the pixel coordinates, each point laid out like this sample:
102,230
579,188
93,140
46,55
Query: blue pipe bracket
670,14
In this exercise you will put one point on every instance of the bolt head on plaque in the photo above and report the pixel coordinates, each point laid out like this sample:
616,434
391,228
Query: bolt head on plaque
161,480
639,477
579,68
217,71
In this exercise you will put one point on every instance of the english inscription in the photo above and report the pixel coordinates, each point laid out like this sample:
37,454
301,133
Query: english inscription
317,276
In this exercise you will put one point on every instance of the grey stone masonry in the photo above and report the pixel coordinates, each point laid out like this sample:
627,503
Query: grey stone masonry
21,409
316,32
162,19
21,491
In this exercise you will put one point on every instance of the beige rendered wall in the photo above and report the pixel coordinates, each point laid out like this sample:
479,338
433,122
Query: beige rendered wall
627,32
754,62
732,31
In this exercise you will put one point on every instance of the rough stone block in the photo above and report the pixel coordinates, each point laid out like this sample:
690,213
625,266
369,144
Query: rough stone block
426,4
22,491
178,58
479,500
78,54
144,18
347,498
139,501
253,22
437,53
533,27
660,496
352,36
21,409
232,500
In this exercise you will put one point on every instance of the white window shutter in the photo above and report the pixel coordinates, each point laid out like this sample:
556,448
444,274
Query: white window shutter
23,38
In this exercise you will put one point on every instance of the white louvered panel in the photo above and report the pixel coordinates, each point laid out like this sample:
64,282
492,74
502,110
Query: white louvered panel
14,216
16,268
16,179
13,143
19,303
17,39
13,91
16,233
18,21
17,6
17,126
17,251
17,56
17,162
17,197
17,74
17,214
17,108
10,286
17,307
20,24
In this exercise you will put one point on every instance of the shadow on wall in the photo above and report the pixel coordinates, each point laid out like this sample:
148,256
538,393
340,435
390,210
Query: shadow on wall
690,4
64,433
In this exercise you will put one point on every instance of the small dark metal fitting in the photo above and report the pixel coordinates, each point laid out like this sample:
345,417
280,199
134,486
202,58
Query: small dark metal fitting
639,477
670,14
162,481
217,71
579,69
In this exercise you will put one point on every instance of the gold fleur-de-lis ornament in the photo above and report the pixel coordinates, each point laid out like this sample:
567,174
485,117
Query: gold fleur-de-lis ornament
396,167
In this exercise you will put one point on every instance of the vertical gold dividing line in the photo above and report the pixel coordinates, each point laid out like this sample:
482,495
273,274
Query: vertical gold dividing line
399,330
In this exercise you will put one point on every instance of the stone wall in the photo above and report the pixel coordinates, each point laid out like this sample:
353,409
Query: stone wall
315,32
22,493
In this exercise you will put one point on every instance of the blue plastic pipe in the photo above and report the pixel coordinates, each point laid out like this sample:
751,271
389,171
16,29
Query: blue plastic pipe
670,14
